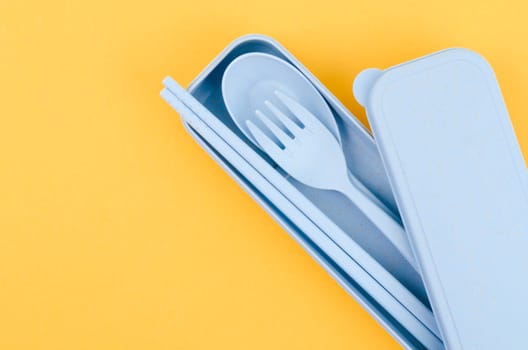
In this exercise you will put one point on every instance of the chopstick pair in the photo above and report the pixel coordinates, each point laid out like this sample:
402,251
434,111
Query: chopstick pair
345,252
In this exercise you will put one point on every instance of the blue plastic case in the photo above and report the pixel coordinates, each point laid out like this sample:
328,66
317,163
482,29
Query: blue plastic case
369,268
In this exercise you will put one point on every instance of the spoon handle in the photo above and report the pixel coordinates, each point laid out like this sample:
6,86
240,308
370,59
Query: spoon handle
387,224
371,196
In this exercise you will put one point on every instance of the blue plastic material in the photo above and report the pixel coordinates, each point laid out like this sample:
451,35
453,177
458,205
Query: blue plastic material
460,182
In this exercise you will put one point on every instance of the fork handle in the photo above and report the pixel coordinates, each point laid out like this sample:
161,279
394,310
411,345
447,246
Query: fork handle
387,224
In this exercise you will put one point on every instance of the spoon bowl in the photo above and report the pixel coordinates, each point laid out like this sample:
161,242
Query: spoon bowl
250,81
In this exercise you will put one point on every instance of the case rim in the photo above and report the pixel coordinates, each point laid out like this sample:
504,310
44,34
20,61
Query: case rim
408,337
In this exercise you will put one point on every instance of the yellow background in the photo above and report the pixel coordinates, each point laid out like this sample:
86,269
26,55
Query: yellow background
118,232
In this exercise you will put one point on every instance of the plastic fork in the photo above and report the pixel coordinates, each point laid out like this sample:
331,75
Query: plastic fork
313,156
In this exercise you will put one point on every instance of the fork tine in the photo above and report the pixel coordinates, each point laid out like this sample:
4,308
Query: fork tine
284,119
279,134
301,113
267,144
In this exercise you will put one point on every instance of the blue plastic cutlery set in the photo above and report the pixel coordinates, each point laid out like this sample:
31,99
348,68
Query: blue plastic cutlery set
426,227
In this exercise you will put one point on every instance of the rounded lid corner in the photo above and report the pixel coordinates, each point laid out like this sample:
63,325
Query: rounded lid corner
363,84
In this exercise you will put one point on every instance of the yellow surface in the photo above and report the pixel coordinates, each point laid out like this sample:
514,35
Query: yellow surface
118,232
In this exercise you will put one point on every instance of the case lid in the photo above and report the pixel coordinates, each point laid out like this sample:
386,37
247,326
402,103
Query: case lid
462,188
